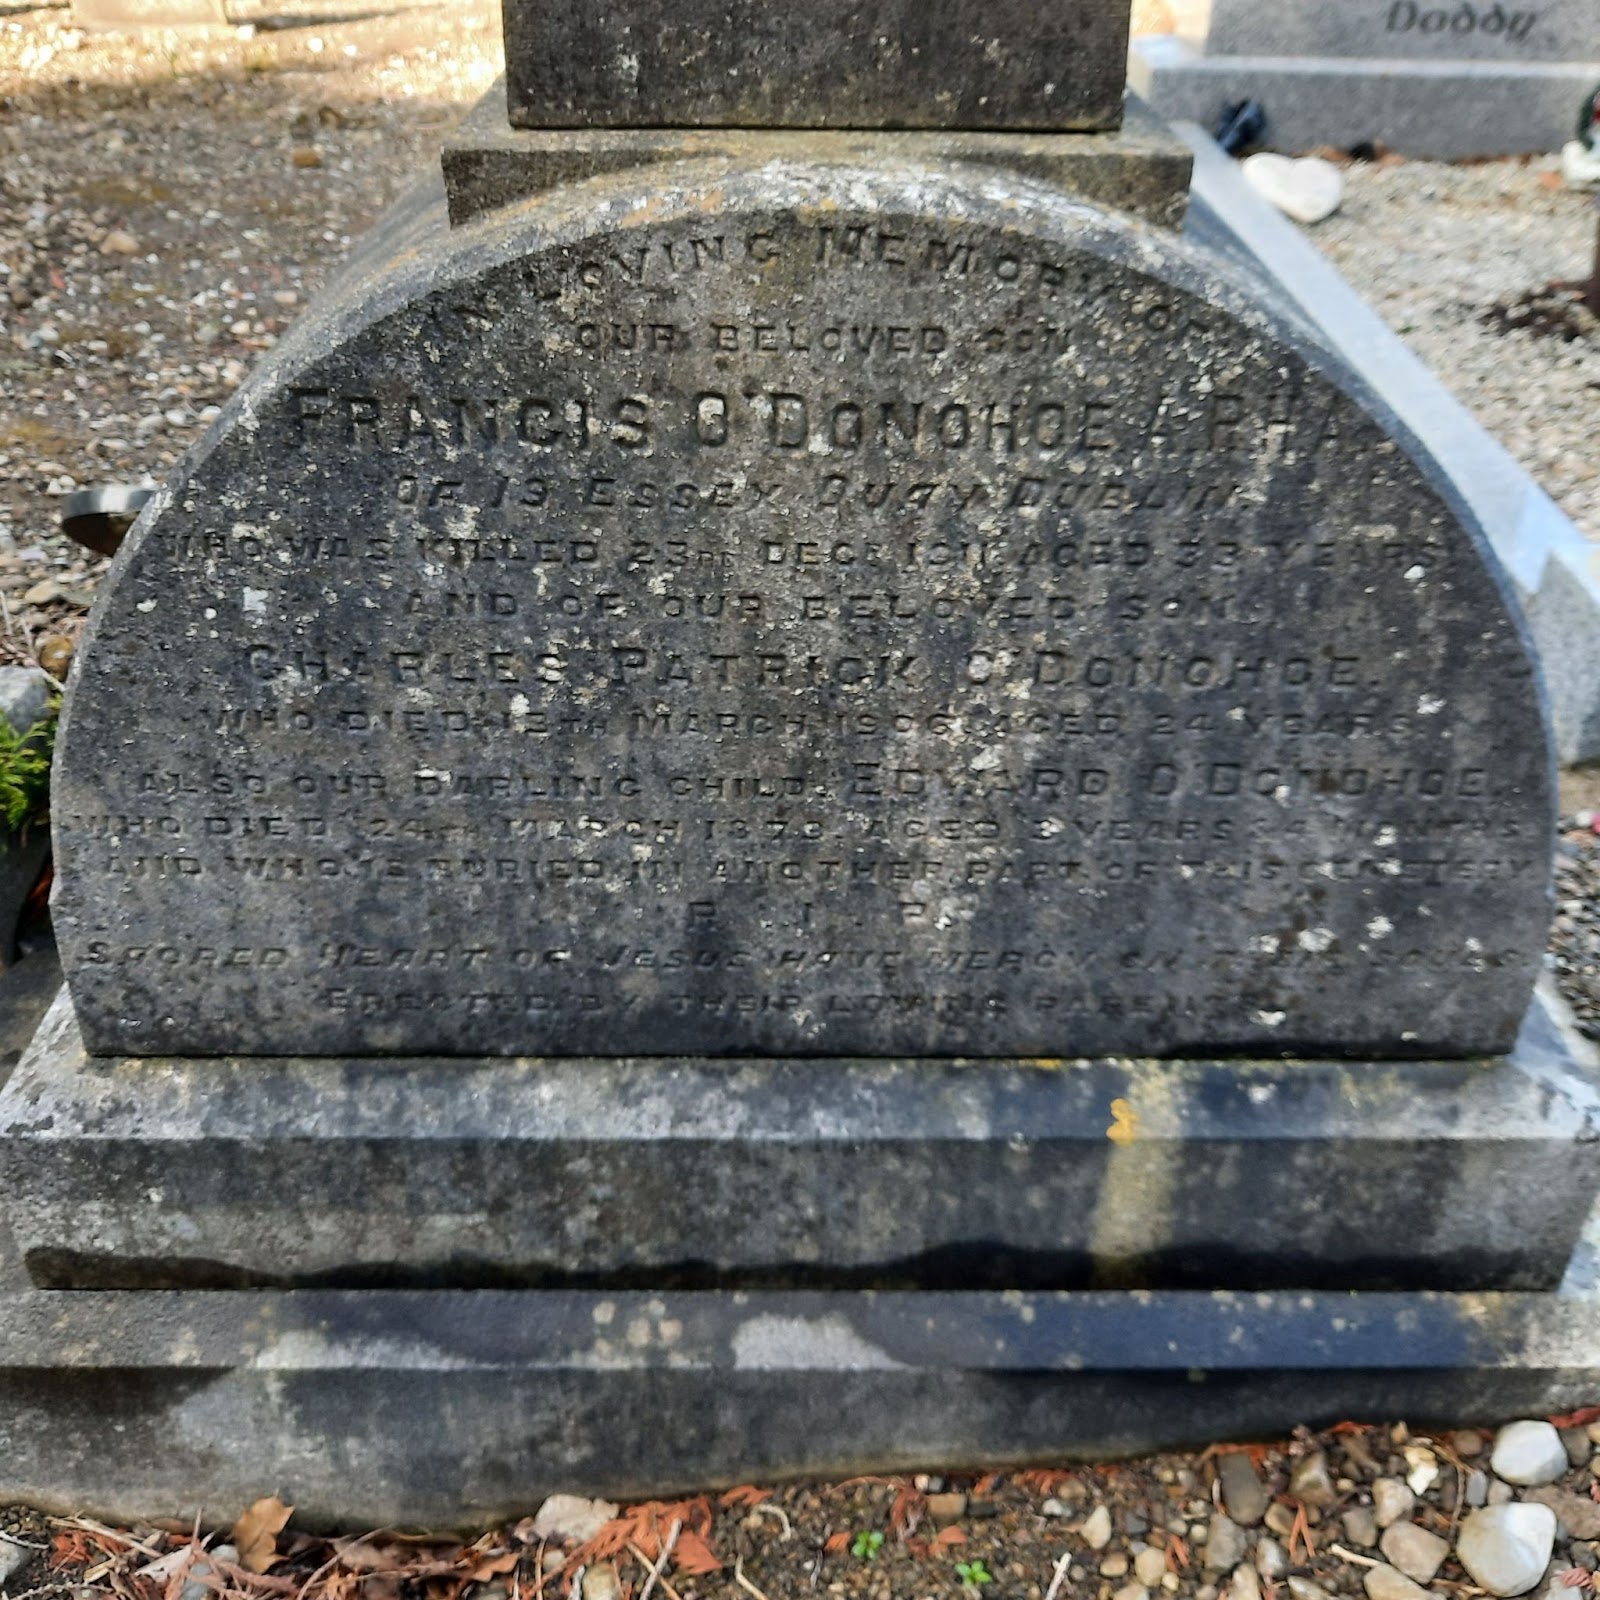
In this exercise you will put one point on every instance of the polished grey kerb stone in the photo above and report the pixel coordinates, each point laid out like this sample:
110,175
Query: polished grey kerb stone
1142,168
1429,30
782,609
461,1410
1447,109
825,64
157,1173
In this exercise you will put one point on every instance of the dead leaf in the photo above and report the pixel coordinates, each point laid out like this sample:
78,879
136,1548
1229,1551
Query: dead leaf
948,1537
359,1556
691,1554
837,1542
1577,1419
745,1495
909,1508
1044,1480
495,1567
255,1534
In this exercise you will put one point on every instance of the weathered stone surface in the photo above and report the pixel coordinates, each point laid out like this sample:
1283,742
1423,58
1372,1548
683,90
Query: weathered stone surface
24,696
452,1410
1143,168
801,612
1226,1544
1392,1501
161,1173
828,64
1312,1483
572,1519
1440,30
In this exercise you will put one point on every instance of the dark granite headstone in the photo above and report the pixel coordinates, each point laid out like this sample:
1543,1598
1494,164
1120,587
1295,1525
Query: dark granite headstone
803,612
825,64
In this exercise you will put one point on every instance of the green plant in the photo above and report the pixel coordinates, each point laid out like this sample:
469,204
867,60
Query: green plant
25,770
868,1543
973,1574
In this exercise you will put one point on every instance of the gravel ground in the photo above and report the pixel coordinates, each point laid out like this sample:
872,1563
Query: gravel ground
1316,1516
1575,938
1450,255
168,201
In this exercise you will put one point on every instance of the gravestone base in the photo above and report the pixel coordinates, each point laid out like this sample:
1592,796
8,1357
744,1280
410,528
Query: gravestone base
460,1409
1445,110
742,1174
1143,169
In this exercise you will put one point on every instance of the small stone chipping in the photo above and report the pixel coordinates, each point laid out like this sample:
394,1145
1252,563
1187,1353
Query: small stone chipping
1146,1529
1458,260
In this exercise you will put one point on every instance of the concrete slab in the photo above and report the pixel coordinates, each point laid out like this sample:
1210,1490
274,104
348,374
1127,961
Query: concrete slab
1141,169
693,1173
1553,567
397,1409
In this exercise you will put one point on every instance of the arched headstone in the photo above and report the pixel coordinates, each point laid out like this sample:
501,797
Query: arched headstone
803,612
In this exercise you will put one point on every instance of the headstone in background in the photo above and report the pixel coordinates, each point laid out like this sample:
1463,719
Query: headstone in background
1425,78
1557,31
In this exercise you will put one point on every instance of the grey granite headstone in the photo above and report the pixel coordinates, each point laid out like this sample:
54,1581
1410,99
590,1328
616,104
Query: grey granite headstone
802,611
1436,30
1446,79
825,64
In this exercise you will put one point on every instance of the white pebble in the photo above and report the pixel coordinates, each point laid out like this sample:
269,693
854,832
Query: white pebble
1096,1528
1150,1567
1245,1584
13,1558
1307,189
1391,1501
1505,1549
1385,1583
1415,1551
1529,1453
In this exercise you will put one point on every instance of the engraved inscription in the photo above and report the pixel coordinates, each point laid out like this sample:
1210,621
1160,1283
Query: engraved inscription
811,629
1564,31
